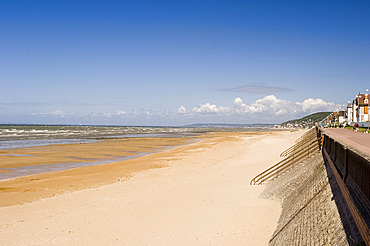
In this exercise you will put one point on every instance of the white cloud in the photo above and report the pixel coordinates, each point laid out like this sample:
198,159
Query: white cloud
310,105
268,109
268,106
182,110
59,113
120,112
211,109
150,113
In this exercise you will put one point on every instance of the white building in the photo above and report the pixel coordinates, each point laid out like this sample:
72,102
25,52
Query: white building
342,116
362,108
358,110
349,112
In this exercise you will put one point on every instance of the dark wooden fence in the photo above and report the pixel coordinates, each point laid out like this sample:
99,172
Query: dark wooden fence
352,166
351,169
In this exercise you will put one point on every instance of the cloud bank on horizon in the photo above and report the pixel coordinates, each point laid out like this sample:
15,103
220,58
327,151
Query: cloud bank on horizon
269,106
268,109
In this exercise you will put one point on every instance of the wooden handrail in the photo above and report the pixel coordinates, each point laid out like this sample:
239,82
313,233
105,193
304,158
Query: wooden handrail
281,166
286,163
297,153
298,144
309,132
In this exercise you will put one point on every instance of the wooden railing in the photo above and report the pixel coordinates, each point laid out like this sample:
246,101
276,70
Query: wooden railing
351,169
305,135
301,143
357,217
307,147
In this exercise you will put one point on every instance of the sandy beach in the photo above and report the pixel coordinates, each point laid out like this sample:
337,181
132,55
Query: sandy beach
194,194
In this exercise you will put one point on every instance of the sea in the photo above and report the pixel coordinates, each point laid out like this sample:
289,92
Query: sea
26,136
18,136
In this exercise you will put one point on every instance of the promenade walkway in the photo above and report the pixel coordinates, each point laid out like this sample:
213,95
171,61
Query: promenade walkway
357,140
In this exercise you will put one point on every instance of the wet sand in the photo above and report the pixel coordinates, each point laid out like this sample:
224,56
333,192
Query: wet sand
81,152
47,184
196,194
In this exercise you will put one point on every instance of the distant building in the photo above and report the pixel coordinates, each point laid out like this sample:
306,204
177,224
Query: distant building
349,112
362,108
358,110
342,116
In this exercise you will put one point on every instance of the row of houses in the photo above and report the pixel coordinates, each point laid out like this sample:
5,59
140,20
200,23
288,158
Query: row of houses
357,111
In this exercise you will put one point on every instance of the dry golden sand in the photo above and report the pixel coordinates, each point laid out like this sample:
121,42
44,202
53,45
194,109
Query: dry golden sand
196,194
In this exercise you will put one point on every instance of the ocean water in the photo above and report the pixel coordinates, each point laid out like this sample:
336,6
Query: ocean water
22,132
22,136
18,136
25,136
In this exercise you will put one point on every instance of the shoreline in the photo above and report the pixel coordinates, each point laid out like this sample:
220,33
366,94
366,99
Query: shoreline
193,194
29,188
86,153
50,182
7,173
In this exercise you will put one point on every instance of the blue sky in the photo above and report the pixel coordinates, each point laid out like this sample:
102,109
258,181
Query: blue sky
179,62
